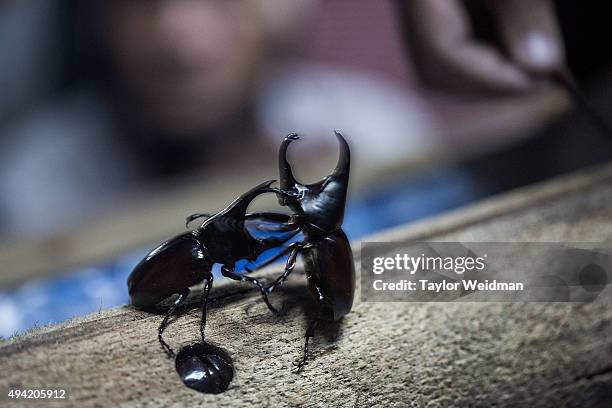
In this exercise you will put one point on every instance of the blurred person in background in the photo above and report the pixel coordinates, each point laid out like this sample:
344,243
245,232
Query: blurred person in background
158,89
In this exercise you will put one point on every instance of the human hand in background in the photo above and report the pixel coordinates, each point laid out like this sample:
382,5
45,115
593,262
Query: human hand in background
488,66
523,44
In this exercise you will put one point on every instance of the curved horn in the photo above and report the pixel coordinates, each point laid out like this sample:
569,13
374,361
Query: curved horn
287,180
239,206
343,166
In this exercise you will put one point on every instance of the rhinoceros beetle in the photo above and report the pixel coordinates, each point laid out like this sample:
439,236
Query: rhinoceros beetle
318,212
187,259
328,258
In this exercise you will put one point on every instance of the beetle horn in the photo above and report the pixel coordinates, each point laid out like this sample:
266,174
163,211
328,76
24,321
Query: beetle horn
287,181
239,206
344,159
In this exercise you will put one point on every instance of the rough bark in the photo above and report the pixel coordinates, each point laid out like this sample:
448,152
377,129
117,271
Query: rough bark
383,354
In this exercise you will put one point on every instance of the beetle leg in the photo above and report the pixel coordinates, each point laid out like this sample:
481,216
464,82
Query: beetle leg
267,262
310,331
229,273
289,266
160,331
321,300
207,286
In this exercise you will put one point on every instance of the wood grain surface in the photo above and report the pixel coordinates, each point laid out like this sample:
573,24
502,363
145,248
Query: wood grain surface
382,354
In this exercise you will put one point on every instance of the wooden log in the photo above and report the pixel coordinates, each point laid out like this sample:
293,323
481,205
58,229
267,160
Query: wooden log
384,354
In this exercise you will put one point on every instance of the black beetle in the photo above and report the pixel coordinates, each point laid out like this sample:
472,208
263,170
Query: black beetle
327,254
187,259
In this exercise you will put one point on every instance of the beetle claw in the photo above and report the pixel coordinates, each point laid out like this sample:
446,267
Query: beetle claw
167,350
283,309
299,365
274,310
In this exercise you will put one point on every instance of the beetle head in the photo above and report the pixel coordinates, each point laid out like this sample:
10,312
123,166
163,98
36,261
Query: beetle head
225,235
321,203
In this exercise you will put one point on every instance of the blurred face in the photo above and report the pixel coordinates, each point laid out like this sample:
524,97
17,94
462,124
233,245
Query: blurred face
193,64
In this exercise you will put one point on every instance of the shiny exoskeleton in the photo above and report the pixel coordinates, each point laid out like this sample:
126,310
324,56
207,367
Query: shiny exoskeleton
223,238
328,258
205,368
187,259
